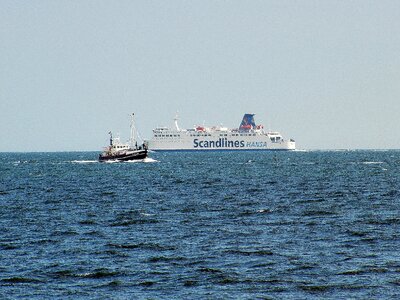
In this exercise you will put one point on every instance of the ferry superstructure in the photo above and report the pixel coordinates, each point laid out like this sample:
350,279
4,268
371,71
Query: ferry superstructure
248,136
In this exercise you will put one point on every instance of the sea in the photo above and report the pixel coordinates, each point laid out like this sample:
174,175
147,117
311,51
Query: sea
201,225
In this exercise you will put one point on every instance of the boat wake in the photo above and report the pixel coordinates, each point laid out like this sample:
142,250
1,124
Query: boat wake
84,161
150,160
145,160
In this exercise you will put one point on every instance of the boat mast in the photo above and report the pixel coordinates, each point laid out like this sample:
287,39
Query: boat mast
111,138
132,140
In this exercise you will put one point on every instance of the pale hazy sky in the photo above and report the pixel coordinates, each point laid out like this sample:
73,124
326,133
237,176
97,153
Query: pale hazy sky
326,73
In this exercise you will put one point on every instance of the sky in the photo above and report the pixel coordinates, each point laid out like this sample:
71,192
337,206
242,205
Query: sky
325,73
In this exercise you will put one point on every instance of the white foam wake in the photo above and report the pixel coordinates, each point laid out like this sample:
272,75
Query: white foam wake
145,160
84,161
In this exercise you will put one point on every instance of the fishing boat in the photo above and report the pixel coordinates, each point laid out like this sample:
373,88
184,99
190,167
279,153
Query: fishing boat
118,151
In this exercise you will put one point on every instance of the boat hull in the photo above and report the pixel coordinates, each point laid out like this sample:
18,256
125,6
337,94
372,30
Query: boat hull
134,155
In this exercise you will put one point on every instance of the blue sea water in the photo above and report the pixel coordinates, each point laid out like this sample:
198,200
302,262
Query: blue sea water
206,225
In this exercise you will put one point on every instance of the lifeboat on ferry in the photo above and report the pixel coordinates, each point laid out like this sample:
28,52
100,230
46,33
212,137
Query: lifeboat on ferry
200,128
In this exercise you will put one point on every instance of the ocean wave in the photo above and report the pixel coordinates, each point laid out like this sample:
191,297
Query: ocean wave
95,274
17,279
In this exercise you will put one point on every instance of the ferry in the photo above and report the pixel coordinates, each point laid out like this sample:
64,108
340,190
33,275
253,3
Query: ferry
248,136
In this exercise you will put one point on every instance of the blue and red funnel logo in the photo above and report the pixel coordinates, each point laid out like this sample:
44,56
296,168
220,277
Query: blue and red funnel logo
247,122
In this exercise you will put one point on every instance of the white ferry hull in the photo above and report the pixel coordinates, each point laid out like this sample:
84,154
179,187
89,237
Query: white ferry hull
219,143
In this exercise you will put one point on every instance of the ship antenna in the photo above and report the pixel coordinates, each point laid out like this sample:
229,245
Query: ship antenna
132,141
176,122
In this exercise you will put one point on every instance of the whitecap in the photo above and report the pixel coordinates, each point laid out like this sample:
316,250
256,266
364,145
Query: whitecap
372,162
146,214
